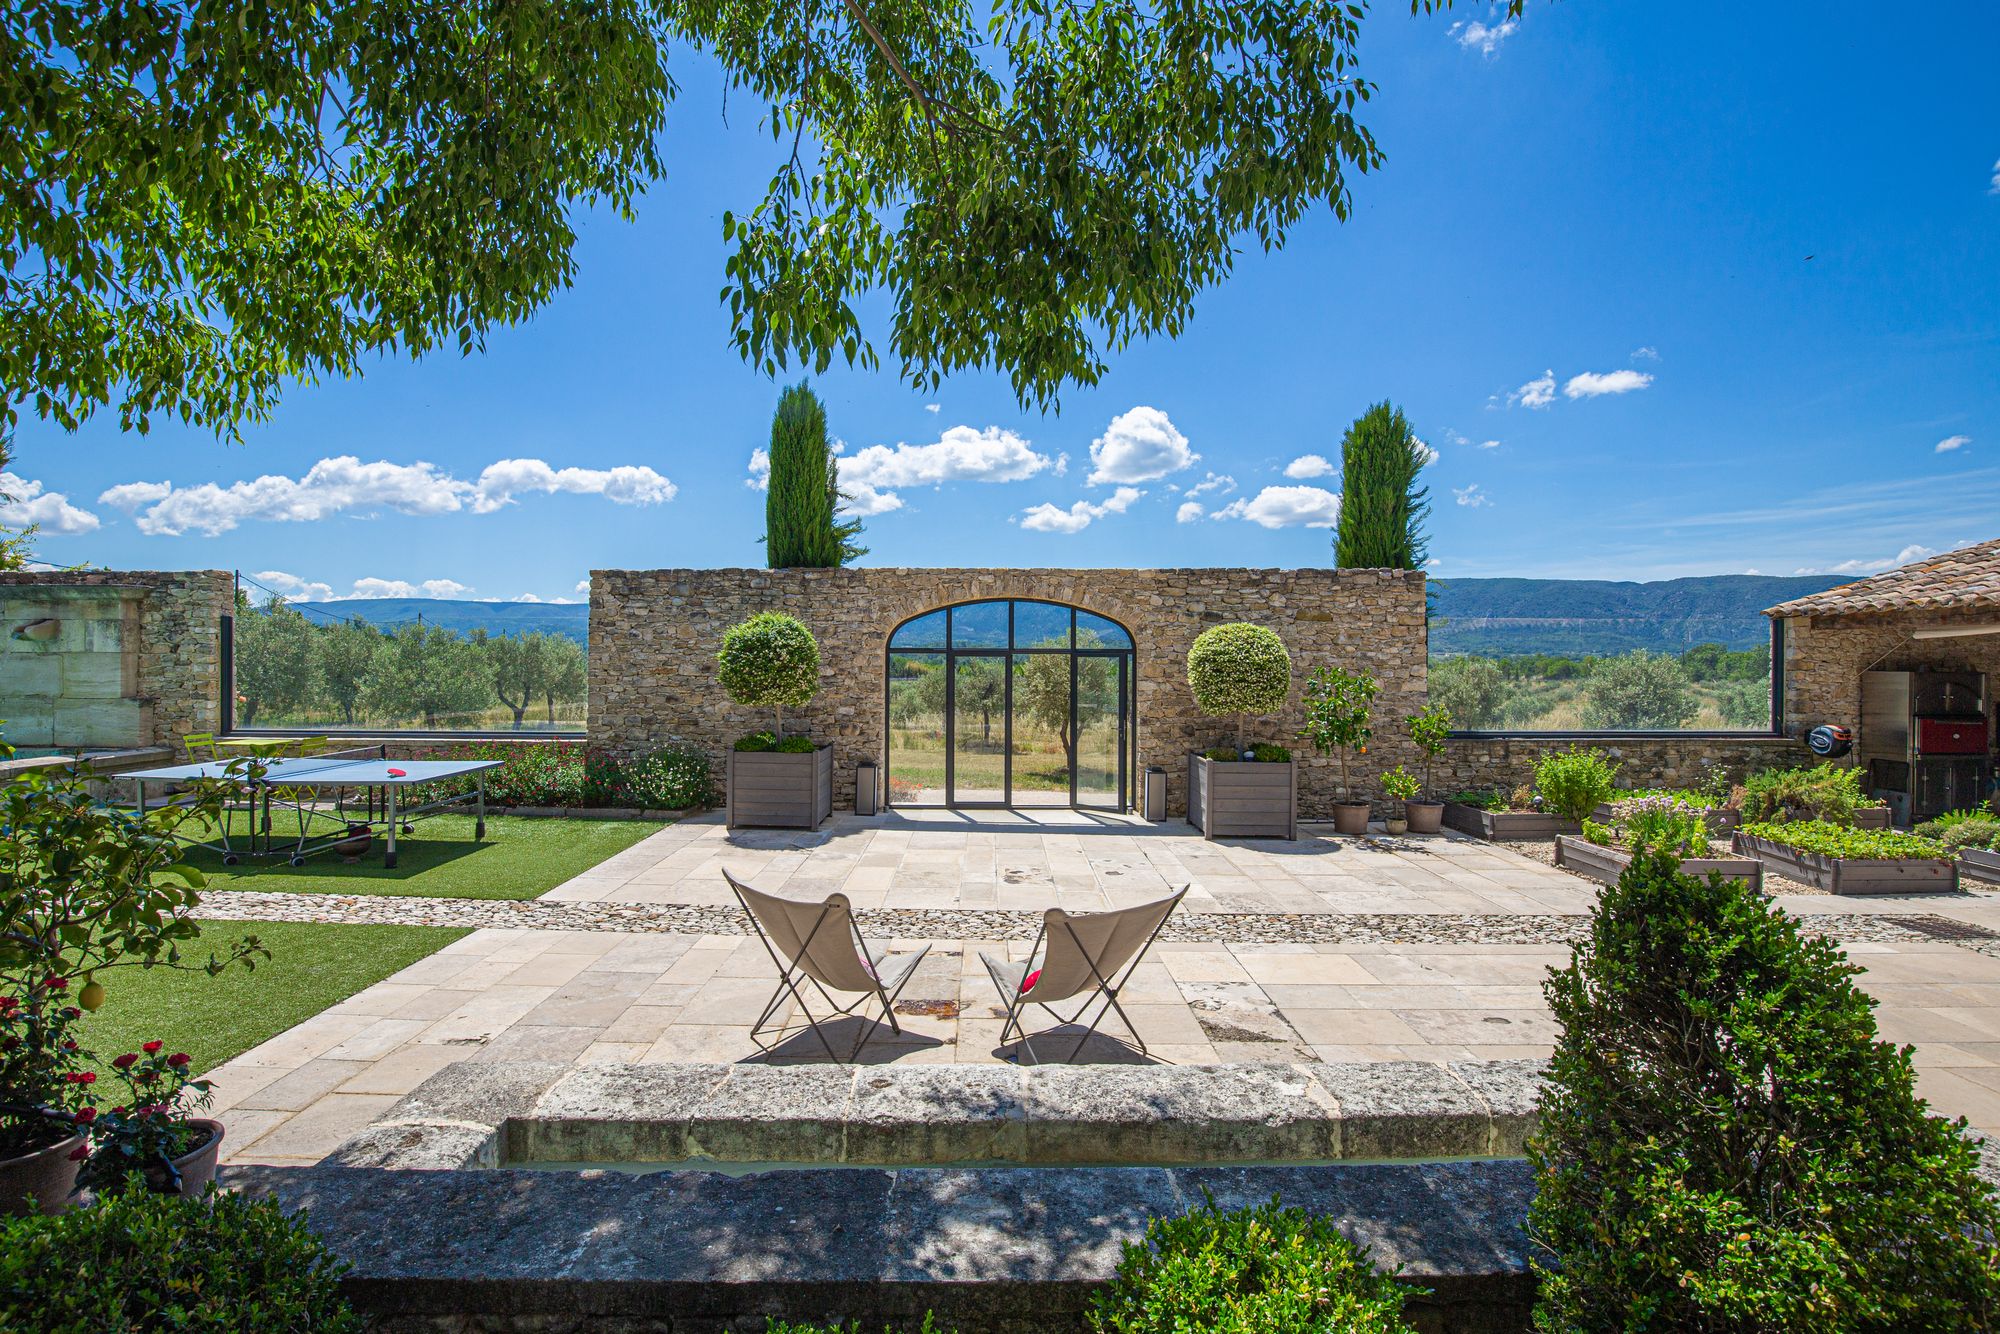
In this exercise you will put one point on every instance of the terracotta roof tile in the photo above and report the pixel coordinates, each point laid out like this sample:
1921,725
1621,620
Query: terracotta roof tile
1968,577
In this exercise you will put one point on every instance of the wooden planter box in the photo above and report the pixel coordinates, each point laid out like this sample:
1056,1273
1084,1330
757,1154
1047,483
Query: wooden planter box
1849,875
1243,798
1872,817
1605,865
1980,863
1721,819
1500,826
768,789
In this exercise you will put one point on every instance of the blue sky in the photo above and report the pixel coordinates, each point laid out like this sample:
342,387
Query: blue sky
1671,290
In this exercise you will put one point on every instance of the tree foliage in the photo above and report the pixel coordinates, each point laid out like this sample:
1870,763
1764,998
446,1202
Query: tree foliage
274,661
1382,507
1470,689
428,672
1723,1144
801,528
1239,668
769,661
1639,690
1339,706
199,203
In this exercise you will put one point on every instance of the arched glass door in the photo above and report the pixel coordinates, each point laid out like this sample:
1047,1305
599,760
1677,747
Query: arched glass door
1010,703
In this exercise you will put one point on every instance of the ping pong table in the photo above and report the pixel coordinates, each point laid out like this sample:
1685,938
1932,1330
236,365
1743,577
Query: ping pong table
291,779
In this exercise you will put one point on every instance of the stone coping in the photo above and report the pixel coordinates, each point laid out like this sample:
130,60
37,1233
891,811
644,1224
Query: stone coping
991,1251
483,1115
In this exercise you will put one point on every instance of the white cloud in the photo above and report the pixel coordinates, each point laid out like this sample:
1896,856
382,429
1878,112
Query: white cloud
627,484
1590,384
1483,38
291,586
583,586
1046,518
1218,482
28,505
1645,354
1471,496
862,501
1139,445
1309,465
1951,442
1189,511
760,470
1995,190
960,454
447,589
933,407
1536,393
1286,507
1489,444
340,485
1429,454
1432,563
1910,553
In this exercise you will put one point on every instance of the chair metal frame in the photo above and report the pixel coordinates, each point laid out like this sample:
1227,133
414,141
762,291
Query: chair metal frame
789,972
1106,988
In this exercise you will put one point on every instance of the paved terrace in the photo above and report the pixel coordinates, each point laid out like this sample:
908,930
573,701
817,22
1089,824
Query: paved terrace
1323,949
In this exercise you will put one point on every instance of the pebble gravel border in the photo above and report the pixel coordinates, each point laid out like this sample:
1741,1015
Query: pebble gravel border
1550,929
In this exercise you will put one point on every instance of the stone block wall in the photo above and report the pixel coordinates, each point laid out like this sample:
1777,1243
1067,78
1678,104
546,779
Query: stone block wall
136,660
1508,762
1825,657
654,635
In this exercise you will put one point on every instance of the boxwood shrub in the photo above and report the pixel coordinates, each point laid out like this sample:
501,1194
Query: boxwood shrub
138,1261
1832,840
1238,669
1723,1144
1266,1270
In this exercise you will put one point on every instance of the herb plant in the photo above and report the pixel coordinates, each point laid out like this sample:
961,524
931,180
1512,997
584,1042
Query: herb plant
1831,840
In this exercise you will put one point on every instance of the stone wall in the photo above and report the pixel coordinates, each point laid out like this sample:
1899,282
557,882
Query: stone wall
136,659
1826,655
655,633
1643,761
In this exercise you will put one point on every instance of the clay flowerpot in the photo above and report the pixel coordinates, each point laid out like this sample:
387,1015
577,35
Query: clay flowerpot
1425,817
1396,827
360,838
46,1176
1350,818
196,1166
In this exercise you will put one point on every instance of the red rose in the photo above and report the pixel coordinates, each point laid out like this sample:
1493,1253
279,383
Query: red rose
85,1116
153,1046
70,1045
179,1059
81,1077
57,984
126,1061
71,1012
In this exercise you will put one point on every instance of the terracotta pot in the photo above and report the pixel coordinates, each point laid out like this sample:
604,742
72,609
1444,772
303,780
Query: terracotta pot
46,1176
1425,817
1350,818
1397,827
197,1166
360,838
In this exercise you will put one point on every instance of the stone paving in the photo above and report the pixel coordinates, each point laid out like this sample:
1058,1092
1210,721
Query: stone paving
1319,950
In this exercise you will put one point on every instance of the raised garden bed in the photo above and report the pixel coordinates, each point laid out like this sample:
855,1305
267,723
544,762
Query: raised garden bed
1837,874
774,789
1605,864
1505,826
1721,819
1979,863
1243,798
1872,817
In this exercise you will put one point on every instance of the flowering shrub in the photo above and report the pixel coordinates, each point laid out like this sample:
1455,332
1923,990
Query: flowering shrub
149,1128
44,1087
560,774
670,779
768,662
1666,824
1240,669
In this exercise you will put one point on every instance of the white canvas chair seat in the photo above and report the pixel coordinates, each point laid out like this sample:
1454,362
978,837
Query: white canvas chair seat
1080,956
820,943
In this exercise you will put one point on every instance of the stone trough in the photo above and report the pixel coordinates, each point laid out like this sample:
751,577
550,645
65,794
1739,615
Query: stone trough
999,1197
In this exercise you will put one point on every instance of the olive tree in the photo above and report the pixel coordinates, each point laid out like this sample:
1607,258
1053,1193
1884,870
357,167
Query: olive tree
1241,669
768,662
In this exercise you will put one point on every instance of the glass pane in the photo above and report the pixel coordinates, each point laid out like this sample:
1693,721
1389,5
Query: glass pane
979,625
1040,625
1094,631
1100,684
1713,686
927,631
1041,728
916,728
979,731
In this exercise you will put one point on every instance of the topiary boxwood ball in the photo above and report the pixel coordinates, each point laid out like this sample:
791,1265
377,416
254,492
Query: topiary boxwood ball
768,662
1239,668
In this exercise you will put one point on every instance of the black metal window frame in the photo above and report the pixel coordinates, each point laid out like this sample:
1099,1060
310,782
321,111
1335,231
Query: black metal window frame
1774,730
950,655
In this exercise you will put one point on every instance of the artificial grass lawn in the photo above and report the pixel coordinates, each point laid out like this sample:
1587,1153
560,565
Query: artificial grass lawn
312,965
520,858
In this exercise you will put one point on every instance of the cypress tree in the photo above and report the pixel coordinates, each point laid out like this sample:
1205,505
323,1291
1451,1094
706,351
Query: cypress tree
800,527
1382,508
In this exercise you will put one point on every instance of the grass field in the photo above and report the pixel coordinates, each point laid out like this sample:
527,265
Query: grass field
312,965
520,858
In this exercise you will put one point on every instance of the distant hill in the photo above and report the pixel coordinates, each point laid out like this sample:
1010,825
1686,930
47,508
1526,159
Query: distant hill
496,618
1492,616
1579,616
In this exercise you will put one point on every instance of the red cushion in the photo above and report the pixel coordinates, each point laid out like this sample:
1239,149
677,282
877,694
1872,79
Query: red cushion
1028,982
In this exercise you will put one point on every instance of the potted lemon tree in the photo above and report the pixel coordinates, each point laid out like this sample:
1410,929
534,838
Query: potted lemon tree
1338,707
1429,729
771,661
1242,791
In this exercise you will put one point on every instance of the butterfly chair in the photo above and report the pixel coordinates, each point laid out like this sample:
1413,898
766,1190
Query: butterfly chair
1080,955
819,943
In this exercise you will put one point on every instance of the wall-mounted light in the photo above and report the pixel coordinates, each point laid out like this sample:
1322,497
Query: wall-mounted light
39,632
